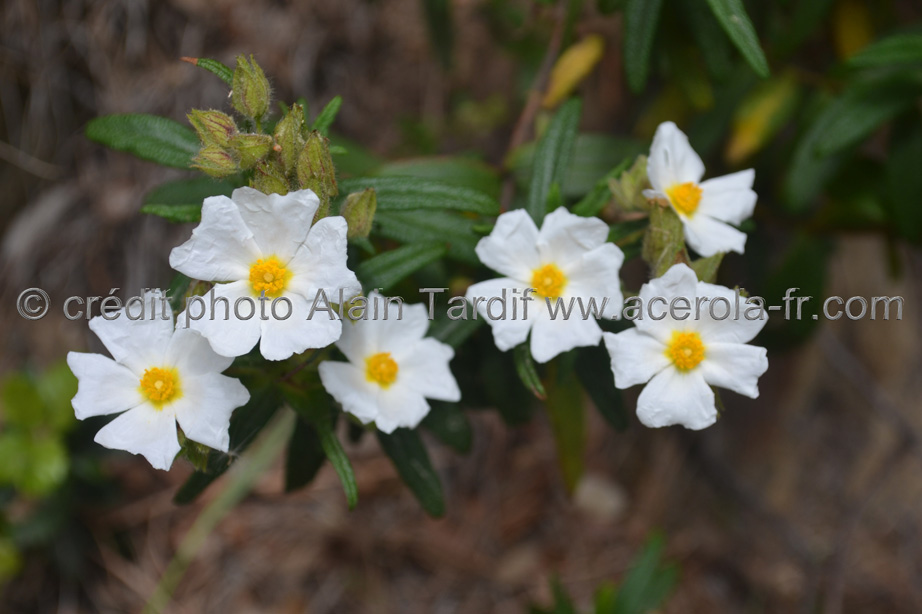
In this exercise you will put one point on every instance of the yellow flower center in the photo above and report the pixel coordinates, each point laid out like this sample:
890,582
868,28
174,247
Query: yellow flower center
160,386
685,350
548,281
269,276
381,368
685,197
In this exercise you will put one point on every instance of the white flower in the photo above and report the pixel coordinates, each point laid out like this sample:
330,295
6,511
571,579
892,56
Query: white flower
265,243
393,368
568,259
681,358
707,208
160,376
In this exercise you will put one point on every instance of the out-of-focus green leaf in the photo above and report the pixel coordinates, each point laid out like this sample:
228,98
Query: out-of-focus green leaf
149,137
57,386
889,51
736,23
594,202
640,19
406,450
607,7
563,604
441,31
593,367
458,171
567,417
215,67
454,332
179,214
552,157
710,41
357,161
305,456
525,367
806,21
904,176
428,227
334,451
605,597
412,194
188,192
449,423
648,583
388,268
327,116
857,197
22,403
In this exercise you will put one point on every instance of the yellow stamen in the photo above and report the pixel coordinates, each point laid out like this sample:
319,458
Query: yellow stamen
269,276
685,197
160,386
381,368
685,350
548,281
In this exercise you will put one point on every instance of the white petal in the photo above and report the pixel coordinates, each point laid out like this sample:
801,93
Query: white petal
279,223
727,326
635,357
103,385
507,332
672,397
191,354
205,409
734,366
283,338
424,368
146,431
400,406
595,275
565,237
672,159
228,334
396,334
729,198
656,296
321,263
708,236
552,337
137,344
347,384
221,248
511,248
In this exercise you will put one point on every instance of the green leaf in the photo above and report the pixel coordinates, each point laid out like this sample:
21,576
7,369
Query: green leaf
453,332
215,67
904,181
176,292
334,451
441,31
412,194
567,417
305,456
896,49
706,268
22,403
179,214
188,192
552,157
640,19
713,45
648,583
428,227
449,423
736,23
57,387
593,367
152,138
525,367
593,203
406,450
326,117
454,170
388,268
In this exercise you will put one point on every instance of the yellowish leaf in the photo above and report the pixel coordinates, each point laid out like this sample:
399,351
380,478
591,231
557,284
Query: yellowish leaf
852,27
760,116
571,68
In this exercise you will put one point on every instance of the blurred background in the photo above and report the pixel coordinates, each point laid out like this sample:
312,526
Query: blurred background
808,499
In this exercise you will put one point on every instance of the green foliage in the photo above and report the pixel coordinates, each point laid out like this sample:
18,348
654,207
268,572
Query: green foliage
387,269
406,450
567,416
552,157
448,422
640,20
736,23
152,138
215,67
412,194
327,116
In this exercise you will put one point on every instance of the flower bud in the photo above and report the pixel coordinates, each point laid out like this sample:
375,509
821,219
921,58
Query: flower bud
251,148
213,127
627,190
289,138
215,161
316,171
359,211
269,178
251,92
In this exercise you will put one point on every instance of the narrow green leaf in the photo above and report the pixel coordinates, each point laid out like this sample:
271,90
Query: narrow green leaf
593,203
640,19
593,367
448,422
149,137
215,67
736,23
181,200
429,227
567,417
711,42
412,194
459,171
305,456
552,157
525,367
177,290
406,450
648,583
453,332
334,451
893,50
388,268
326,117
179,214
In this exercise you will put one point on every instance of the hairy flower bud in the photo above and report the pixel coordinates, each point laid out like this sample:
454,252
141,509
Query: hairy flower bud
289,138
251,148
627,190
213,127
251,92
359,211
215,161
316,171
269,178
